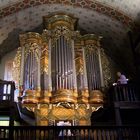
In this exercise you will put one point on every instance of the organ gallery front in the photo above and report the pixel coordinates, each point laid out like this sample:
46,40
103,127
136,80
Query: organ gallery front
61,73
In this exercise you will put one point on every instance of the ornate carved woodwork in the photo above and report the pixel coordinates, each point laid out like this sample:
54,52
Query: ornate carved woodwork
60,72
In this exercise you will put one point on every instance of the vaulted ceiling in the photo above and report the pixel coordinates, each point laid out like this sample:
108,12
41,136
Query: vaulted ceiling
111,19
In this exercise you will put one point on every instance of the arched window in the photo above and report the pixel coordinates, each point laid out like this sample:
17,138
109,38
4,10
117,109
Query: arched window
8,71
8,76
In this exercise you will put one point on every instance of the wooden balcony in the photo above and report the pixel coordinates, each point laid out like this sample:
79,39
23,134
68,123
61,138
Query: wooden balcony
123,98
70,133
126,102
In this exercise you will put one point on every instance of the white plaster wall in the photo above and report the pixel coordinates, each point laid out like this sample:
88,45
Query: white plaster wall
7,57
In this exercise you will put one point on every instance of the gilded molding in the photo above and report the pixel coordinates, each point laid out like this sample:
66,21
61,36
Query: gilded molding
59,19
106,68
63,104
44,59
16,66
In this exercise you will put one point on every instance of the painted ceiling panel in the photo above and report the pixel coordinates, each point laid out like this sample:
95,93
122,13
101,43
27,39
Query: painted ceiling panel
129,7
5,3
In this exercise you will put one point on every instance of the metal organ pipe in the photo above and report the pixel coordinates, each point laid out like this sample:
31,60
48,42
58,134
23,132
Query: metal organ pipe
38,69
69,71
98,72
85,71
29,61
25,75
62,60
100,67
31,74
22,65
36,78
56,70
50,63
28,70
68,66
59,62
53,62
89,71
65,66
71,74
62,64
94,70
32,86
73,63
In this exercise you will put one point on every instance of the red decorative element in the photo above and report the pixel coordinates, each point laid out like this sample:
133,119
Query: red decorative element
88,4
67,2
26,1
77,4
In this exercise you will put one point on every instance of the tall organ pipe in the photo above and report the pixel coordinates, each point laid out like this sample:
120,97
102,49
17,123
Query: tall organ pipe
22,66
95,70
62,76
53,65
65,65
59,58
62,60
29,60
100,67
85,71
31,69
49,65
68,65
28,70
38,70
56,70
89,72
99,74
92,72
73,63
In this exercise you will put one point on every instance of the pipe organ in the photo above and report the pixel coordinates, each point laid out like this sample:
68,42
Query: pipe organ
61,72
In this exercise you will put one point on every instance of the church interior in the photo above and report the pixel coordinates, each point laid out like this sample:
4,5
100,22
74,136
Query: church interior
59,61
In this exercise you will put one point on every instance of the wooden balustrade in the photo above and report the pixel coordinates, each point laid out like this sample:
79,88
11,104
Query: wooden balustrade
70,133
125,92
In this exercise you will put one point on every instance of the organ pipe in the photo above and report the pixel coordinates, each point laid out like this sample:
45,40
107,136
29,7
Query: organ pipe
49,66
38,71
101,69
74,70
61,57
22,65
85,70
93,63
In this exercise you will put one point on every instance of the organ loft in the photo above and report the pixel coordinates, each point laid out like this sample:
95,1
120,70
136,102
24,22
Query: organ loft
62,74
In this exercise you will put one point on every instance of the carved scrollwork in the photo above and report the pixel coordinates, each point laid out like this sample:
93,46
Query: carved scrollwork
34,48
106,68
61,31
64,104
16,65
